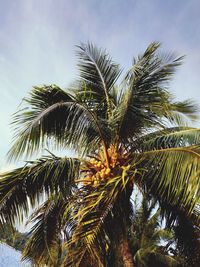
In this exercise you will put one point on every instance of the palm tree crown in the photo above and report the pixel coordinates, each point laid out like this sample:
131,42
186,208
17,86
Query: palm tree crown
151,242
123,135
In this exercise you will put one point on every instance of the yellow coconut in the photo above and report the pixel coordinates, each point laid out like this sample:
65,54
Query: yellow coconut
99,164
107,171
95,183
102,174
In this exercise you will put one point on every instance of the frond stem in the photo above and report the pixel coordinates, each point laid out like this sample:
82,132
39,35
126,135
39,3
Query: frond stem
104,84
99,130
189,150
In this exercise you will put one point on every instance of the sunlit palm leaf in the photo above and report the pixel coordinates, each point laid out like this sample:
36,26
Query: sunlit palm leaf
146,101
98,72
169,137
172,176
95,222
24,186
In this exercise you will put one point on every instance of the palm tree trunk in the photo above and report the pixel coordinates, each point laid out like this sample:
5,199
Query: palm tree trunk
125,252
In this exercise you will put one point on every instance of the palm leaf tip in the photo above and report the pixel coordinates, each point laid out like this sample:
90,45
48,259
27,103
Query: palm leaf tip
24,187
176,174
62,119
45,242
188,108
98,71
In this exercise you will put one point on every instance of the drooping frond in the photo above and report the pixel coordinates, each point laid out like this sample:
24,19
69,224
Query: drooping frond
98,74
146,236
144,224
53,117
172,176
168,137
154,256
146,101
44,246
187,236
44,96
95,228
26,186
187,108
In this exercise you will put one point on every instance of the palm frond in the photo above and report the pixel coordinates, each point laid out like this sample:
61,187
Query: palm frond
42,97
146,102
67,122
187,236
45,238
95,222
164,234
98,72
146,236
168,138
187,108
172,176
153,256
24,187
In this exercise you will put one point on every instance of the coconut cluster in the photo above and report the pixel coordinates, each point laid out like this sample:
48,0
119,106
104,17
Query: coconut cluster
96,171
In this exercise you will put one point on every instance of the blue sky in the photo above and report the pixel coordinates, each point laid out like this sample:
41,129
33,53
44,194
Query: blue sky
38,38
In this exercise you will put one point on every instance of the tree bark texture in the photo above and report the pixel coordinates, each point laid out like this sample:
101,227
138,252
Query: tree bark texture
125,252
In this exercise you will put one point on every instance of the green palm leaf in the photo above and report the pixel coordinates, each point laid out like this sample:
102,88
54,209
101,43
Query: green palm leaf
168,137
45,241
94,222
147,234
172,176
98,72
54,116
145,102
26,186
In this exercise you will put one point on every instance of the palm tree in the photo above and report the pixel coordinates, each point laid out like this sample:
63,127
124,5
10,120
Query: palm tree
149,240
122,135
187,237
11,236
